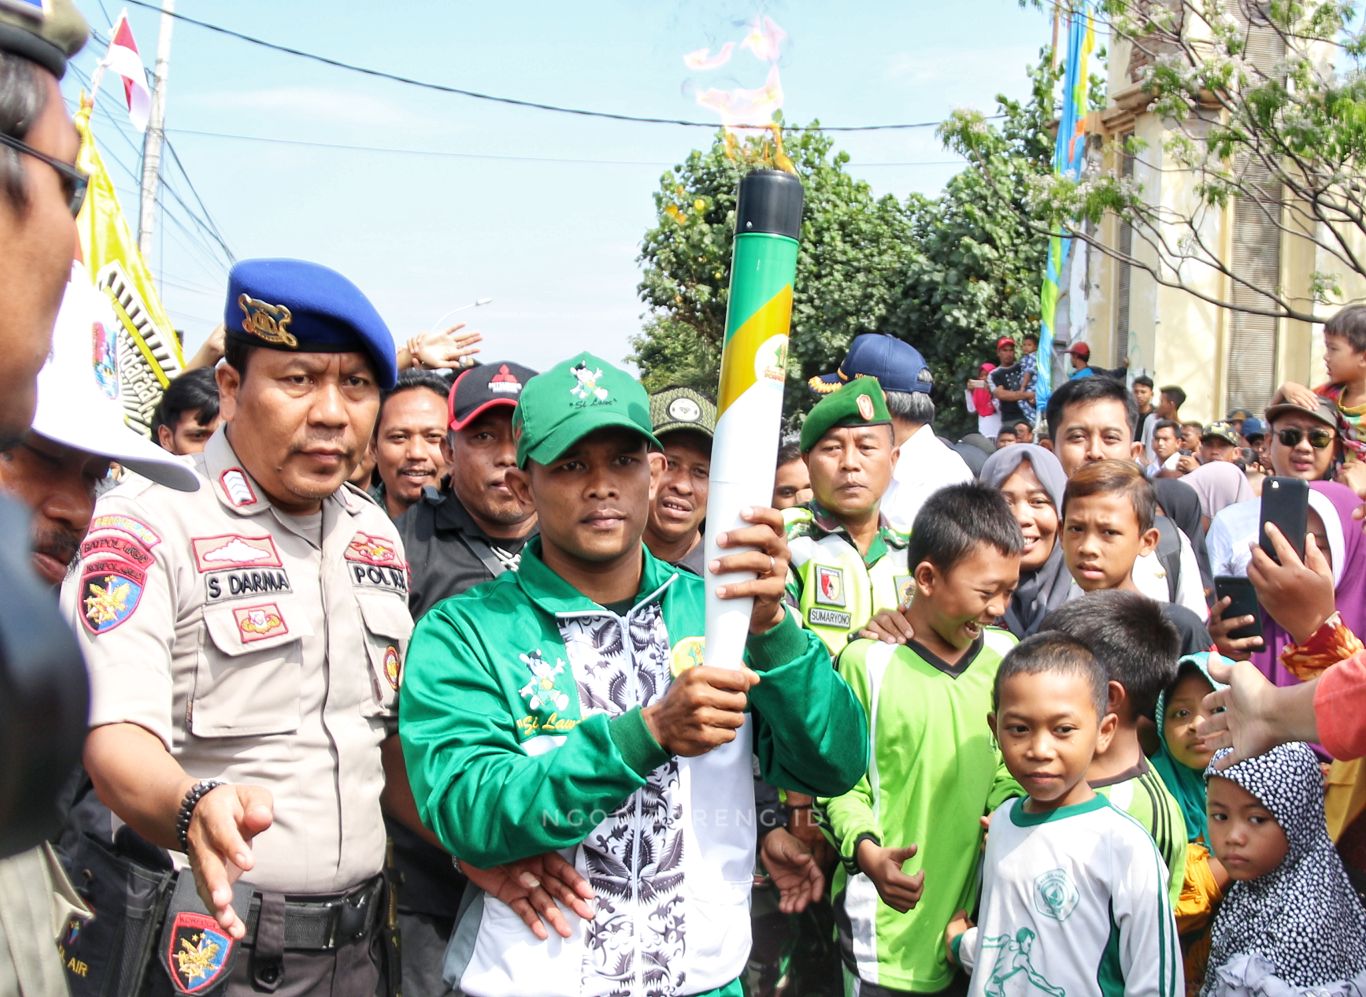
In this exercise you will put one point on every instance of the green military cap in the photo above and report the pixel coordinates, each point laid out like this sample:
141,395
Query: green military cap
47,32
572,399
675,409
858,403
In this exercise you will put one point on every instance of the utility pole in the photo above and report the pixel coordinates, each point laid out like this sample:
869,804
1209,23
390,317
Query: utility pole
156,132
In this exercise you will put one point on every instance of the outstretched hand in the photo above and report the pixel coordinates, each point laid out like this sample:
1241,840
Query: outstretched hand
222,828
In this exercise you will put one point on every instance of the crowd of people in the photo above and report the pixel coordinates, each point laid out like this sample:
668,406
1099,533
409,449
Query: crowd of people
397,671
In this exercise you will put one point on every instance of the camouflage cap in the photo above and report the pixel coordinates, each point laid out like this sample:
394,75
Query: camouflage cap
675,409
858,403
47,32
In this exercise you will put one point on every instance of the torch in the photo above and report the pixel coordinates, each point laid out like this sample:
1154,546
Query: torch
768,222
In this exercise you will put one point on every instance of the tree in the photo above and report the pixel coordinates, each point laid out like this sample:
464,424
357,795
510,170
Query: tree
1260,114
980,247
853,250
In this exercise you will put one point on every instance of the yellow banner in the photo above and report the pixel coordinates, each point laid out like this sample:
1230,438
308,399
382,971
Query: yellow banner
148,351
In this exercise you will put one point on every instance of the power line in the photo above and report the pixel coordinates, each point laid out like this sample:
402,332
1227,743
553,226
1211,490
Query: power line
512,101
498,157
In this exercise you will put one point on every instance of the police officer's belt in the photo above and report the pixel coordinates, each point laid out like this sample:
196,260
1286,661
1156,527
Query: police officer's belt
325,923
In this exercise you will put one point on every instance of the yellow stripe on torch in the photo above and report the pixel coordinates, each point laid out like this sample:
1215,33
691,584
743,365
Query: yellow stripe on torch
742,365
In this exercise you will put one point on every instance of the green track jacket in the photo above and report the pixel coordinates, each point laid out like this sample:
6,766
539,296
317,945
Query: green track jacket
520,717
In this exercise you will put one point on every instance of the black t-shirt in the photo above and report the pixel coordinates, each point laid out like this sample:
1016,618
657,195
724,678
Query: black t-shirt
447,554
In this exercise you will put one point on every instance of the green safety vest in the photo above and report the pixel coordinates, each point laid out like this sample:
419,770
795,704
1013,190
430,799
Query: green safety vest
835,589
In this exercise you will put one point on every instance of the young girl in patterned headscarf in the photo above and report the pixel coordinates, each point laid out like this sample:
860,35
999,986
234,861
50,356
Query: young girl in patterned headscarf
1290,920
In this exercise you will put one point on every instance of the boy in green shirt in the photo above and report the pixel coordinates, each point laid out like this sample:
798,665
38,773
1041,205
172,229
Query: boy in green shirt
934,771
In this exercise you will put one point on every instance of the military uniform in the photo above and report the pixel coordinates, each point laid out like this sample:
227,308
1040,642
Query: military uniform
836,589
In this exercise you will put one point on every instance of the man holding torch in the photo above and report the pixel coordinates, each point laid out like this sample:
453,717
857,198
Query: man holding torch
569,707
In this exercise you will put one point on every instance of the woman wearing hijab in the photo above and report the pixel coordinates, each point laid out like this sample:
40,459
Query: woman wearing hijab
1032,481
981,403
1219,484
1290,921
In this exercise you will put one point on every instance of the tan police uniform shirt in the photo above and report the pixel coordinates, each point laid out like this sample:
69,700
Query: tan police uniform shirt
260,647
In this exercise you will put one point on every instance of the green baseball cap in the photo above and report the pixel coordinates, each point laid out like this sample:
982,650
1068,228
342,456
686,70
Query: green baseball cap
858,403
47,32
572,399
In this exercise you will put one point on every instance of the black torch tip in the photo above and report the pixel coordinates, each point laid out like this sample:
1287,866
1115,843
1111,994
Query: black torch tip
770,202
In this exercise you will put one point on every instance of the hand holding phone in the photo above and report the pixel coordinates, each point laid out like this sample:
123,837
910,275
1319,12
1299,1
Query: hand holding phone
1285,502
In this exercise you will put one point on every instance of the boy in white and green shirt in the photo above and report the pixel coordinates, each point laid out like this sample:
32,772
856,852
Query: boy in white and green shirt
1074,897
909,833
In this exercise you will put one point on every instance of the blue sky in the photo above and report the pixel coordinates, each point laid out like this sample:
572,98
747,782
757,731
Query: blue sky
541,212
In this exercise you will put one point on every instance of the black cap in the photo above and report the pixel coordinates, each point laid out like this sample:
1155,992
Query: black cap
483,387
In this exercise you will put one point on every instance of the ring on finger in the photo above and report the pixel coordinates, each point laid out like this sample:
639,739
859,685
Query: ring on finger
772,564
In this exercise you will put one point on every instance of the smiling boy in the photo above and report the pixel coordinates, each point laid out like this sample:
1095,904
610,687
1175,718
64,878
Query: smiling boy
1074,897
909,832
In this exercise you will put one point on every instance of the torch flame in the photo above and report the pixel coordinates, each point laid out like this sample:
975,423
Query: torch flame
747,113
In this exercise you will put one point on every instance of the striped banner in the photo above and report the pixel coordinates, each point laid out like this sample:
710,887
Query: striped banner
1069,156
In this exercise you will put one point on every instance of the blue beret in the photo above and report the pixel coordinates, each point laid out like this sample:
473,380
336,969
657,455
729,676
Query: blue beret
302,307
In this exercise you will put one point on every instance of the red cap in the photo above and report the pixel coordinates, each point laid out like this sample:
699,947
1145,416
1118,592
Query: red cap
1080,349
1004,341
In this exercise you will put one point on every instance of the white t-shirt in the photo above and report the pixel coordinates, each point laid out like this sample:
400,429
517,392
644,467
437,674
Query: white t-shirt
1074,901
926,465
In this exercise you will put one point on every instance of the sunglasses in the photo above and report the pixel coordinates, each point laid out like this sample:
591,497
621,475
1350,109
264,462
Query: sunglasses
1319,439
74,181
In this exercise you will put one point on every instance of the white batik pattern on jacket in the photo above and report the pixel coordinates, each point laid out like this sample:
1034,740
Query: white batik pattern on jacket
634,857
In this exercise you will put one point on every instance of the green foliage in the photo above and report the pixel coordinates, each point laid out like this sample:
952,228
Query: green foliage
1263,104
852,248
949,274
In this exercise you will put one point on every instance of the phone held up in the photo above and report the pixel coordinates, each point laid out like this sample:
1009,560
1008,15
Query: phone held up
1285,502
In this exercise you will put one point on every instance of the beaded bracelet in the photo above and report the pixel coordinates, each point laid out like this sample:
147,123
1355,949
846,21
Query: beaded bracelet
195,793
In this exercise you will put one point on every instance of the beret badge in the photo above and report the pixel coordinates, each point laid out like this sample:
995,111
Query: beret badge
266,321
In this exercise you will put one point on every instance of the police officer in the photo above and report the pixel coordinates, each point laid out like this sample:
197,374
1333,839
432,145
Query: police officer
245,643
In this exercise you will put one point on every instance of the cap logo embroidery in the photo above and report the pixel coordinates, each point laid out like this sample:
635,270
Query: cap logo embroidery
865,407
238,489
684,410
586,385
267,321
505,382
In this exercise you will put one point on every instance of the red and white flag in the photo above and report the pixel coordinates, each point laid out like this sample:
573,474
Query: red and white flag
123,59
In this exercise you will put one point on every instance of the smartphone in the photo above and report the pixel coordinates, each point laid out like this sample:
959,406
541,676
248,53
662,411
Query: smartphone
976,383
1243,602
1285,502
1185,452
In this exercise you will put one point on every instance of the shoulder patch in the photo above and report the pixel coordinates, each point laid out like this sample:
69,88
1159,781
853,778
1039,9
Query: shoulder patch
237,487
233,550
110,592
135,528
